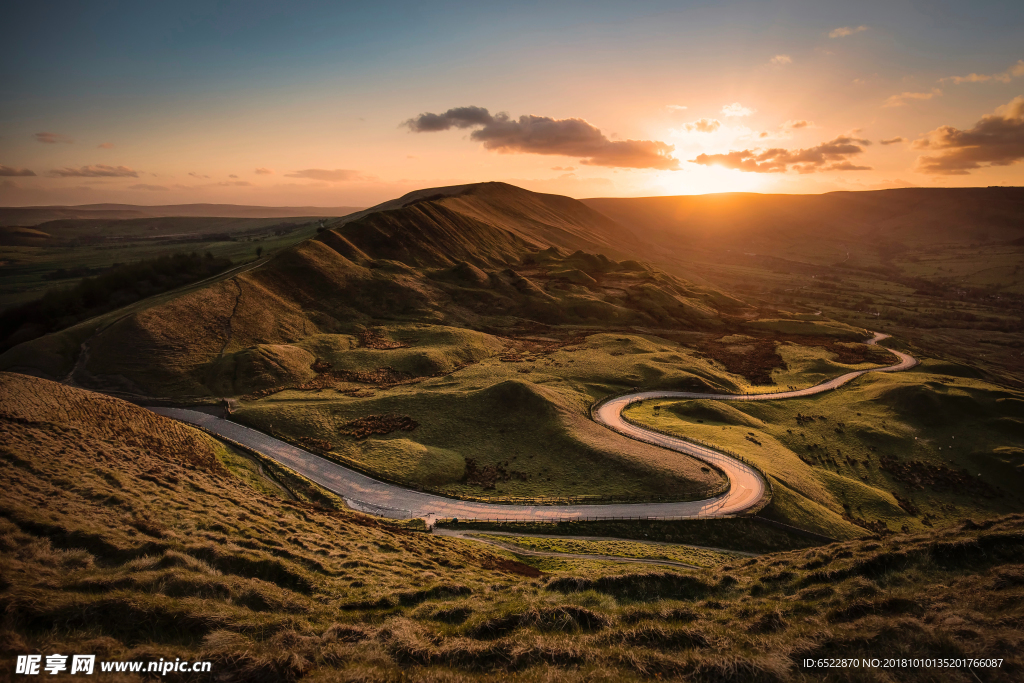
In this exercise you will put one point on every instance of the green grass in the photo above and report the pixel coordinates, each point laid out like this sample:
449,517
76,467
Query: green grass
829,469
530,416
26,267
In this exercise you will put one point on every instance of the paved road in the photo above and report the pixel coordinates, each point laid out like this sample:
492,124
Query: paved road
389,500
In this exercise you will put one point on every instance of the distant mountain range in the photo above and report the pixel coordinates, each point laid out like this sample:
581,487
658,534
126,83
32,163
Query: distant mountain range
34,215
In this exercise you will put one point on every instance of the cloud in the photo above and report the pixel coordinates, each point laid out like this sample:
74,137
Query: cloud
704,125
736,109
52,138
15,172
796,125
96,171
232,176
337,175
264,171
905,97
150,188
892,141
996,140
544,135
779,60
199,176
844,31
563,168
105,145
833,155
458,117
234,183
1015,71
677,107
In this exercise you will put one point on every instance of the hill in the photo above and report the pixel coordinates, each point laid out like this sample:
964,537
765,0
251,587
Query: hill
913,217
541,220
940,267
34,215
483,258
167,544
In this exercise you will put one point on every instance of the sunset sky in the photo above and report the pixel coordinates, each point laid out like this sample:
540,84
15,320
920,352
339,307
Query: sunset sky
309,103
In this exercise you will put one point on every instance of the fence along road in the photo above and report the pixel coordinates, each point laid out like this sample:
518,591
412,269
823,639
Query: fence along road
363,493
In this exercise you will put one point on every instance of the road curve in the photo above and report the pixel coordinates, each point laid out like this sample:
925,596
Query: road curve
363,493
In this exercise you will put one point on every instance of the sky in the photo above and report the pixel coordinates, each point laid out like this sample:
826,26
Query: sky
351,104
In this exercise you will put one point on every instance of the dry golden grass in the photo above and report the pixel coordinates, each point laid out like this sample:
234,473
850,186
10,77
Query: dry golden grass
121,534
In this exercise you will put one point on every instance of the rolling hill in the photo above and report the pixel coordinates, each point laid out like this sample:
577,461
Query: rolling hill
489,256
913,217
939,266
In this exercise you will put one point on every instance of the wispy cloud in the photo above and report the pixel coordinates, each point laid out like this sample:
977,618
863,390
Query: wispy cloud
1015,71
52,138
779,60
199,176
95,171
544,135
905,97
232,175
796,125
263,171
844,31
148,188
996,140
105,145
893,141
704,125
15,172
677,107
834,155
737,109
332,176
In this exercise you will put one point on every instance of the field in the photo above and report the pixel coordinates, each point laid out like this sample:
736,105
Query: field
59,253
157,550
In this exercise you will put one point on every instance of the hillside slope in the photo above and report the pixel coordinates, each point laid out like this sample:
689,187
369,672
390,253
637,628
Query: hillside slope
541,220
134,534
490,256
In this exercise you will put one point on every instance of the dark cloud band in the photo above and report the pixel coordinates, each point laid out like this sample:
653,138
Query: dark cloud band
833,155
544,135
996,140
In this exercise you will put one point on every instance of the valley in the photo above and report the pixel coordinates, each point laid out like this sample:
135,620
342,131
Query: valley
480,419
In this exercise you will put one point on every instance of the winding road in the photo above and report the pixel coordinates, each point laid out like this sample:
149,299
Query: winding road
747,485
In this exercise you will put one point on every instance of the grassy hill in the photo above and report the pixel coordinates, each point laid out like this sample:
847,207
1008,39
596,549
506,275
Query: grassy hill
939,267
439,260
905,451
166,544
444,300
